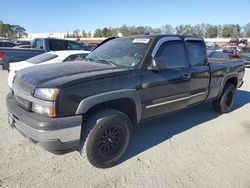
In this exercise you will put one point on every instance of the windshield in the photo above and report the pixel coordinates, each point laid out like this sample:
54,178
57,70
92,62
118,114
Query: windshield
41,58
126,52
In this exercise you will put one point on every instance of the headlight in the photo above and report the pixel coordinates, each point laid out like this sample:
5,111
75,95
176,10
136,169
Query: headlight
48,94
49,111
46,106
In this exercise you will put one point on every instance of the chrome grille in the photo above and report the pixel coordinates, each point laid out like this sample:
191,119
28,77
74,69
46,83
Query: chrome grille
23,103
23,86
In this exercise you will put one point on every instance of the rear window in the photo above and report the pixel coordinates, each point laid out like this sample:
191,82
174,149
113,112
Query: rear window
39,44
41,58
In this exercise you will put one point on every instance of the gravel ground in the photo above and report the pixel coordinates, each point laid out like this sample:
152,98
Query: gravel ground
191,148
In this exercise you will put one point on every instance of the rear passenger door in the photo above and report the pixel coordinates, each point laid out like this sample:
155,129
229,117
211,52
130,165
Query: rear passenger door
199,71
168,89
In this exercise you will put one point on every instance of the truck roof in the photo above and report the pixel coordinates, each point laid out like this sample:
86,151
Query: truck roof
161,36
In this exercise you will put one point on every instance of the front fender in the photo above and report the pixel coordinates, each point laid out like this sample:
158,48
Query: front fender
94,100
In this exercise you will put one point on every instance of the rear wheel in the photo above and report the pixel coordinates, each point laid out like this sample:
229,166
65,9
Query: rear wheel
105,137
225,103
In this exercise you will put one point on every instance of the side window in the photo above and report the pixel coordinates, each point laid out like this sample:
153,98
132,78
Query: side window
173,52
1,44
56,45
196,52
39,44
8,44
74,46
76,57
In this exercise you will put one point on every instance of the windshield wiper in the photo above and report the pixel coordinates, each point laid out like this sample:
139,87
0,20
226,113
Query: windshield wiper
107,62
88,59
104,61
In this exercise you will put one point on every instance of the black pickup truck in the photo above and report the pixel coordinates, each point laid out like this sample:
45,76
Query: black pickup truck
39,46
92,105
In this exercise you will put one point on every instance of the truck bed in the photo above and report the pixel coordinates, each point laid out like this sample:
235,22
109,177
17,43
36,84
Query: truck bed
220,60
220,69
16,54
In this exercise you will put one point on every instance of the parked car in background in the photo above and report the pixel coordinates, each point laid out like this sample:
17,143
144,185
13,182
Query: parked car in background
7,44
243,41
217,54
22,42
246,57
23,46
46,58
40,46
232,53
212,46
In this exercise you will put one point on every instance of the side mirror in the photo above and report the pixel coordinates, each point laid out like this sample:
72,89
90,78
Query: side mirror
157,64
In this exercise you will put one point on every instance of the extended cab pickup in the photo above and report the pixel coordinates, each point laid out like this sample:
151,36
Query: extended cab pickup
92,105
40,45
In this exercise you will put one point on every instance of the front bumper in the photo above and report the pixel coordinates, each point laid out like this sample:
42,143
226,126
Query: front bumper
11,77
53,134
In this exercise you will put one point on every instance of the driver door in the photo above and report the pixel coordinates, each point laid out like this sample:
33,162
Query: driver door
168,88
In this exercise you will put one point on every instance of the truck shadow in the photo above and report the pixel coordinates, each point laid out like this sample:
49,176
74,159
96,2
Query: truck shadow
153,132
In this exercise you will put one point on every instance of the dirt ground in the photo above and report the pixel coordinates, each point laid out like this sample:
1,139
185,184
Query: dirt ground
191,148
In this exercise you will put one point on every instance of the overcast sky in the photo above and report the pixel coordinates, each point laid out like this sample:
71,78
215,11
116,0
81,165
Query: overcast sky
63,16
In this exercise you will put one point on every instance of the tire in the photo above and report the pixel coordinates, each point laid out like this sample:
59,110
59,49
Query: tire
225,102
105,138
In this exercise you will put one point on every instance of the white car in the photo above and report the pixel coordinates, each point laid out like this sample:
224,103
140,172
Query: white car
45,58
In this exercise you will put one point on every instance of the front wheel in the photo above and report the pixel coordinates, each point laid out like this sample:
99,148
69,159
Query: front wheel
225,103
105,137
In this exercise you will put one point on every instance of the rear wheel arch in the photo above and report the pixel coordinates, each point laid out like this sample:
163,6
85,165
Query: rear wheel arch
230,78
225,102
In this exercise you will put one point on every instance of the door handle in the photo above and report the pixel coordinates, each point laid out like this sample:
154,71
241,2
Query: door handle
186,76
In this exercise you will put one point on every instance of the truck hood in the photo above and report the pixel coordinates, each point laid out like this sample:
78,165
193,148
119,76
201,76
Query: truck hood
60,74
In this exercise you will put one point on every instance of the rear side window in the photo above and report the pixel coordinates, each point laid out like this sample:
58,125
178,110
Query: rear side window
196,52
56,45
173,52
41,58
1,44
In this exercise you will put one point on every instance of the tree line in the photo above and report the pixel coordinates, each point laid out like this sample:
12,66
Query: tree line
12,31
203,30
